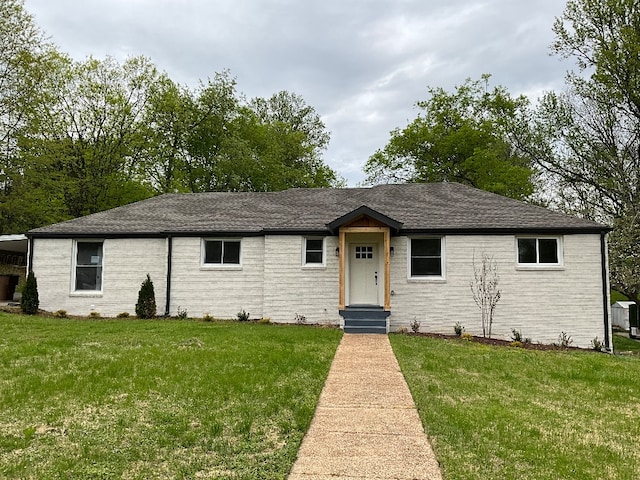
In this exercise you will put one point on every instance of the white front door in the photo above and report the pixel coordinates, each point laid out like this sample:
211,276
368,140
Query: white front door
363,274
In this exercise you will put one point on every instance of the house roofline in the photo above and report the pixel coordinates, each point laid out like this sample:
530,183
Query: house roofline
327,232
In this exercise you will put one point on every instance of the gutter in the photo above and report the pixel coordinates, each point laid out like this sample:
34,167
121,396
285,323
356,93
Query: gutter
605,290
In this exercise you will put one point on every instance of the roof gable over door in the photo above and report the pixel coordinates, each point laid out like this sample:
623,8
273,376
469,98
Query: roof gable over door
364,217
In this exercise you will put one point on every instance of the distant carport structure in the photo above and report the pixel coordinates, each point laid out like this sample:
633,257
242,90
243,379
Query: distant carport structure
13,265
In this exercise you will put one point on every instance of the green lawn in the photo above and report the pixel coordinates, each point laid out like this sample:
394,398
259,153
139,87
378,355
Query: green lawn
509,413
624,344
132,399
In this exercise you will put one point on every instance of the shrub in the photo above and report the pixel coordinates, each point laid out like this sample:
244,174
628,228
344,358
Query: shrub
564,340
597,345
516,336
182,313
243,316
146,306
458,329
466,336
123,315
300,319
207,318
30,302
94,314
402,330
61,314
415,325
516,343
264,320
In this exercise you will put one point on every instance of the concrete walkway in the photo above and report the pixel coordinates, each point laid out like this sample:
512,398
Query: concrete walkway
366,425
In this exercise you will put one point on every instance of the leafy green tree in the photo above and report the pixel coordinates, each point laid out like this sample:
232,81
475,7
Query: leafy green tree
22,49
286,138
25,64
624,255
88,137
587,139
466,137
208,139
146,306
80,137
30,302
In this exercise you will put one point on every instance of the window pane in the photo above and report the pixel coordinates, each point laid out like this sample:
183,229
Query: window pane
313,257
88,278
314,244
526,250
231,253
89,253
425,247
213,251
548,250
422,266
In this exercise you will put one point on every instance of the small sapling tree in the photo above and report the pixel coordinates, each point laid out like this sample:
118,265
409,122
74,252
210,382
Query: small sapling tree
484,288
146,306
30,302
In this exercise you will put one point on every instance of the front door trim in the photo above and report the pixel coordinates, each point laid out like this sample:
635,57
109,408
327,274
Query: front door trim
344,255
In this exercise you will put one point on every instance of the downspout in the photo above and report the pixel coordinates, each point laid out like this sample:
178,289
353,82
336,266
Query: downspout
605,290
167,308
29,253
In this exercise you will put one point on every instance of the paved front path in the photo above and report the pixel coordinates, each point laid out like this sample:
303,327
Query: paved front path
366,425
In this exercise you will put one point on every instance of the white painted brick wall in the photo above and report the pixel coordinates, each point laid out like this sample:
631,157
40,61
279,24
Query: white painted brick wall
218,291
291,288
540,304
126,264
273,283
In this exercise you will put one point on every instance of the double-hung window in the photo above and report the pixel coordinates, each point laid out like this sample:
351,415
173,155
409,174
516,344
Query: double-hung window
426,257
221,252
539,251
313,254
88,266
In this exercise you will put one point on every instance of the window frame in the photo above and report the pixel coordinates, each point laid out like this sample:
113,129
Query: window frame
221,265
427,278
312,265
74,268
539,265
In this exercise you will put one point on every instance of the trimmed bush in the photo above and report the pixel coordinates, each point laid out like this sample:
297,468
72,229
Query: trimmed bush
30,302
146,306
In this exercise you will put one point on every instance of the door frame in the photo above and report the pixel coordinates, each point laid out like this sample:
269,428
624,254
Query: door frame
351,270
384,244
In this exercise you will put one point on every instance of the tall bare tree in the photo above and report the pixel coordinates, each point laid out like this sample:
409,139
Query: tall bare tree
486,293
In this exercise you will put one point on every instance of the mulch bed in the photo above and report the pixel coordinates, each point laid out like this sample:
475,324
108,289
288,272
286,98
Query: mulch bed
498,342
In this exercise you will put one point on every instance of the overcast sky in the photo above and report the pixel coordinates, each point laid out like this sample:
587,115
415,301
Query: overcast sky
362,64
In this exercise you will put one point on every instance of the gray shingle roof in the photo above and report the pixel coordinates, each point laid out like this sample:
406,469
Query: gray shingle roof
428,207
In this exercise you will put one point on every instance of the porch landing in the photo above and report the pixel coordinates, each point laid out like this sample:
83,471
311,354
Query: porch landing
365,319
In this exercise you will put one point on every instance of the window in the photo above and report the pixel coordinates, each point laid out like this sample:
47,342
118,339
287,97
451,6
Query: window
221,252
539,251
364,252
425,257
88,268
313,251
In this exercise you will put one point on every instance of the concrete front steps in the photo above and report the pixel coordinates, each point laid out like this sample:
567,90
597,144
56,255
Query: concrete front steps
365,319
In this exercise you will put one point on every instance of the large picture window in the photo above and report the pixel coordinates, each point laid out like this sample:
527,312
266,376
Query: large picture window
539,251
425,257
88,266
221,252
